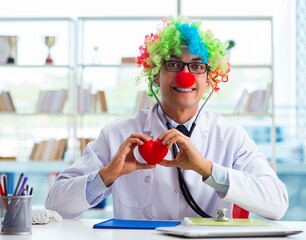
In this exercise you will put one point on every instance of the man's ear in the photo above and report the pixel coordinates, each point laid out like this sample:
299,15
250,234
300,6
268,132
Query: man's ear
156,79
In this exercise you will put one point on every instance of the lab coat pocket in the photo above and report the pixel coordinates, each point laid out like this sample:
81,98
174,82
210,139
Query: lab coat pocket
135,189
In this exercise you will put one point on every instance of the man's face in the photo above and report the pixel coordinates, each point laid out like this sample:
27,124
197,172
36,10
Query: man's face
174,97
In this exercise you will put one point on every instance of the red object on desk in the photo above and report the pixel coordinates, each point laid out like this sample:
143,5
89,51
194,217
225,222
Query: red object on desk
2,193
239,212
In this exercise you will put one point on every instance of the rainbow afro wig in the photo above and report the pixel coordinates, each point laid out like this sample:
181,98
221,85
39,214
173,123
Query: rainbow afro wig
171,35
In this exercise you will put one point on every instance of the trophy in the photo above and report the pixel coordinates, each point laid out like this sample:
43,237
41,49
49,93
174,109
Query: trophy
12,40
49,41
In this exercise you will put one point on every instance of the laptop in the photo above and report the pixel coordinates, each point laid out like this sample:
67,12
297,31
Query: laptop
228,231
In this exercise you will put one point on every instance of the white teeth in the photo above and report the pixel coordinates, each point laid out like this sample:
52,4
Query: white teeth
184,89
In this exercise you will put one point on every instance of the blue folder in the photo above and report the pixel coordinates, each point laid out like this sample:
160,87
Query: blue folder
134,224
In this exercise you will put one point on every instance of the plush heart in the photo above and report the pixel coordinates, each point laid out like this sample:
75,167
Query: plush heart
153,151
184,79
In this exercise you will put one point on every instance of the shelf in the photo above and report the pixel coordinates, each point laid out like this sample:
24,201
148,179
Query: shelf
33,167
125,65
248,114
287,168
35,66
251,66
37,114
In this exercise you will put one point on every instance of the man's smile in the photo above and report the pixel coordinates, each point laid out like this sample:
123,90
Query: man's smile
179,89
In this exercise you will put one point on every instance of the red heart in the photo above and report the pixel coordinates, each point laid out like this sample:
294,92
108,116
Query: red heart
153,151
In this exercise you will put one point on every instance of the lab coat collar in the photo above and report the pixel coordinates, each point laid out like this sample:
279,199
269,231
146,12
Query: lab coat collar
155,126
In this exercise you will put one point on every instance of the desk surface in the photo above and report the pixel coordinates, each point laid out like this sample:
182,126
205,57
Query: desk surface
80,229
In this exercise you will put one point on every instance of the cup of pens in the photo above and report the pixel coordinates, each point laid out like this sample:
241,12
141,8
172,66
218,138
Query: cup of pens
16,209
16,215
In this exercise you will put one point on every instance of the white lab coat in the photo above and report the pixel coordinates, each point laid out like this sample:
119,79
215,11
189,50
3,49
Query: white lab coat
155,193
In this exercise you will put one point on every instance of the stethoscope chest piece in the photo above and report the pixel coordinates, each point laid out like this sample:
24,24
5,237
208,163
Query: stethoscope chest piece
221,215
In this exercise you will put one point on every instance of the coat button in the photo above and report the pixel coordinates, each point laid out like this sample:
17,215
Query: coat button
147,179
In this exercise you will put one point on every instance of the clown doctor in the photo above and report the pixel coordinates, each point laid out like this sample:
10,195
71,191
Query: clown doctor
213,165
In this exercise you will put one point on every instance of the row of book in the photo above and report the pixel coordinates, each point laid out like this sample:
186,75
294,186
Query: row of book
256,101
54,150
88,102
7,158
6,102
49,150
143,100
83,142
51,101
96,102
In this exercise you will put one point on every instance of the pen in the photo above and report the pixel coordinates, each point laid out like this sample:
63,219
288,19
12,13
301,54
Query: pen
22,185
3,194
1,190
31,191
18,184
4,185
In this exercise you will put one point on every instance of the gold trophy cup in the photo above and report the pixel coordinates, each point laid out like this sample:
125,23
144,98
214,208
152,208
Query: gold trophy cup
12,40
50,42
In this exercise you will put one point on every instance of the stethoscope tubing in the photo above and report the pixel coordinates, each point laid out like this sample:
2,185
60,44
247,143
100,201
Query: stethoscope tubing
184,188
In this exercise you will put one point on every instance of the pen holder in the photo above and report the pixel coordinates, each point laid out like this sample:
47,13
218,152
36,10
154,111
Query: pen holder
16,215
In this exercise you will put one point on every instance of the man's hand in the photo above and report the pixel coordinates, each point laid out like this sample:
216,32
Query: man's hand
189,157
124,161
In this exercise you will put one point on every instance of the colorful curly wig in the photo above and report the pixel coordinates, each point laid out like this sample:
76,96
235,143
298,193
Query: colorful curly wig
172,34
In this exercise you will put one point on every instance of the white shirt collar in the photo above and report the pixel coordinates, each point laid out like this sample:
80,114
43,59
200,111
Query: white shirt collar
173,123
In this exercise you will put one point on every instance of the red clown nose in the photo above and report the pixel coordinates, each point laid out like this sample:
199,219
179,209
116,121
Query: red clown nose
184,79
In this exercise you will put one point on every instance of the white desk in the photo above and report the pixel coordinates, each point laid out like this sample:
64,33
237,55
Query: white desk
81,229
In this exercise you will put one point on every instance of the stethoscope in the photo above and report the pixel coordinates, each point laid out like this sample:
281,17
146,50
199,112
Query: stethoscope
184,188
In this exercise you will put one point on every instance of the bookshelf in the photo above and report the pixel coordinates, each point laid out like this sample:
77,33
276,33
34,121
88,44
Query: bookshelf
106,63
38,91
41,106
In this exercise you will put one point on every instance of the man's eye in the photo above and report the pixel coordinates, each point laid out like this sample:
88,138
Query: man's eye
173,65
198,66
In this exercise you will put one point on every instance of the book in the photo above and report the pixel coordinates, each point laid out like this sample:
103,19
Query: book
33,151
46,154
7,158
242,102
102,101
3,107
51,101
7,102
256,101
143,100
49,150
84,142
62,147
135,224
195,221
39,150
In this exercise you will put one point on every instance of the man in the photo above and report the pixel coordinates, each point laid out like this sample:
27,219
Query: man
215,166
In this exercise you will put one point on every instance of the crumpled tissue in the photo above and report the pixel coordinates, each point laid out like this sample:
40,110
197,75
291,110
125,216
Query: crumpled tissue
44,216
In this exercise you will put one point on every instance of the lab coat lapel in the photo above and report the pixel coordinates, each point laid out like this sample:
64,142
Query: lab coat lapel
201,130
153,126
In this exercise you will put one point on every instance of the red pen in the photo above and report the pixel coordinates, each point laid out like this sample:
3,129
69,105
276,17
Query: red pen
1,190
3,194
